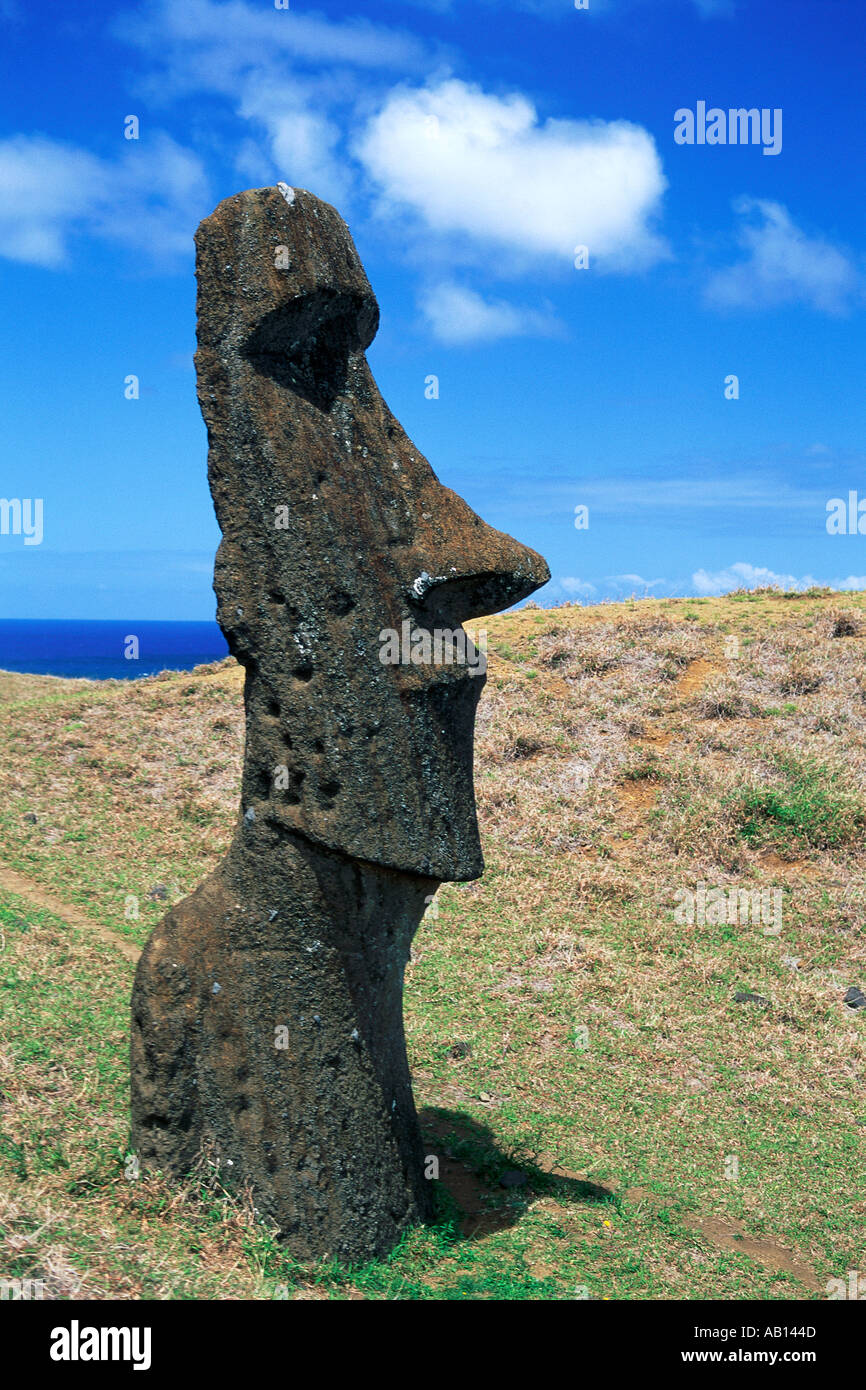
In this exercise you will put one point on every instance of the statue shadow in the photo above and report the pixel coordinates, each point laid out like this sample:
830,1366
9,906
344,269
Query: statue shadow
490,1187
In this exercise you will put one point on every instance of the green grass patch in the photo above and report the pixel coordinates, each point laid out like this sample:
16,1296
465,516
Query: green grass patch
813,809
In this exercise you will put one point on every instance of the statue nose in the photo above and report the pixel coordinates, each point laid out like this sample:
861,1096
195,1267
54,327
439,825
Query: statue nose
466,568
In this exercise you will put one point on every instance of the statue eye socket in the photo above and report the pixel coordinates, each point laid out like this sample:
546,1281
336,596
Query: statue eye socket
305,344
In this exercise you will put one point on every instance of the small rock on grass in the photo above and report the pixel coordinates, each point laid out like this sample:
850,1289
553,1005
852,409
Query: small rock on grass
745,996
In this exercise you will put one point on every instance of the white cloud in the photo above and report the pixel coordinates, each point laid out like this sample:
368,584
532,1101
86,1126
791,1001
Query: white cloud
313,95
304,143
44,185
632,582
466,164
293,78
459,316
157,195
783,265
703,582
614,586
577,588
203,43
151,197
745,576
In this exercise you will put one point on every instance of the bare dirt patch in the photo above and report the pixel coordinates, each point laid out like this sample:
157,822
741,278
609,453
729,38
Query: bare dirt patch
696,675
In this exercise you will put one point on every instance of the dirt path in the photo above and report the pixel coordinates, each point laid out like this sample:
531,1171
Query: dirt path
696,675
26,888
730,1234
637,799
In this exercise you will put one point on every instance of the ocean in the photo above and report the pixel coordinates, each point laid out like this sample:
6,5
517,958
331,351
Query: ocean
97,649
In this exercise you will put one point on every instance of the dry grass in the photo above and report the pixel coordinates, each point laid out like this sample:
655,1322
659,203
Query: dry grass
625,754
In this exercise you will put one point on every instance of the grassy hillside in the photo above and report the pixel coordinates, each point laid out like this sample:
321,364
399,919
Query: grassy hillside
612,1120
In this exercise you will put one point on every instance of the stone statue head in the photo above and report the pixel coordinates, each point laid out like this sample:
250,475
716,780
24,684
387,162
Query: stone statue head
345,569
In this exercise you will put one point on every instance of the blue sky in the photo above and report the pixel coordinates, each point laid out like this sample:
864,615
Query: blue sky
471,146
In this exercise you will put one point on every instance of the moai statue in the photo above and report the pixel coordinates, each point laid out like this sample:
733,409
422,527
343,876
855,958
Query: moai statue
267,1012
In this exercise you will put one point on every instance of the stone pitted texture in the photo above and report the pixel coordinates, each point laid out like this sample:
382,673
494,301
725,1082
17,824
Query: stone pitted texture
267,1029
